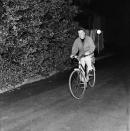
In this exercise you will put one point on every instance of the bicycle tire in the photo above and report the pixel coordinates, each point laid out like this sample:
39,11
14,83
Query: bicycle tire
77,74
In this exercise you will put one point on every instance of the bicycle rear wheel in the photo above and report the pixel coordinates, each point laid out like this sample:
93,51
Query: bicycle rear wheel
92,76
77,84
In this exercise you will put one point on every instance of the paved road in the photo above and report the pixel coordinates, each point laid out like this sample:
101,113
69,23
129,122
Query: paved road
48,106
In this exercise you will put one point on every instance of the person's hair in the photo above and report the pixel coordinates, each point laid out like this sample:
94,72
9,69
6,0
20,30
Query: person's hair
87,32
81,28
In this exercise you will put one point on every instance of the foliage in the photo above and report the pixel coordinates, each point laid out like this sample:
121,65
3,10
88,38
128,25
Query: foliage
36,35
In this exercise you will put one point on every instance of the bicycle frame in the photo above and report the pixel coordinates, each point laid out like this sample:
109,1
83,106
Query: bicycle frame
82,68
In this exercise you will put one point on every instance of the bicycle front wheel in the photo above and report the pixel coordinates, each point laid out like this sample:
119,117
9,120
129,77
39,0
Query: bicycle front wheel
77,84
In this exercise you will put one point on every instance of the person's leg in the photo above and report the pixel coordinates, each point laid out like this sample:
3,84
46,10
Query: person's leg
82,62
88,61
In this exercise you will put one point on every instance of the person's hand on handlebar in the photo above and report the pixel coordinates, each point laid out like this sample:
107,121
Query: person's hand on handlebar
72,56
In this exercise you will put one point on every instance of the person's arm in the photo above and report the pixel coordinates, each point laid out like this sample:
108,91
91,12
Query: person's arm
74,48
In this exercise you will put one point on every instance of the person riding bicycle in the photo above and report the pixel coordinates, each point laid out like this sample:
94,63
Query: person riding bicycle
83,47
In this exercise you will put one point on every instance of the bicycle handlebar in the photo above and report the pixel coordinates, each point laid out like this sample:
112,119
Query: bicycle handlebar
76,57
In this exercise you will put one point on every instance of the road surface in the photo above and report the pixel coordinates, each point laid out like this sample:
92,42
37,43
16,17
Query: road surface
48,106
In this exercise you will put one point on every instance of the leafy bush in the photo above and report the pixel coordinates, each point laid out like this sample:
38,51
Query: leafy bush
36,35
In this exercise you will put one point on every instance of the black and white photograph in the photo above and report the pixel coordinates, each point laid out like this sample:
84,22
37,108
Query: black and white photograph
64,65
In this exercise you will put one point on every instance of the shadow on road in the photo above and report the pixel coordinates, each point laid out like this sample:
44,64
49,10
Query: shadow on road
36,88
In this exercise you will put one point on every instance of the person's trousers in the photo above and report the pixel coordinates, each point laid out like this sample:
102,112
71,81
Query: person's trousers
88,61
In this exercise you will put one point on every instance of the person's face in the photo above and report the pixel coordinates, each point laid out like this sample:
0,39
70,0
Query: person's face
81,34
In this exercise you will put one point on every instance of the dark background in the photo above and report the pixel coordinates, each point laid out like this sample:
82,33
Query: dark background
116,23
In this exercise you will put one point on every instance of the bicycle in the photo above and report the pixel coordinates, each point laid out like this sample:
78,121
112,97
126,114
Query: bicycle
80,79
